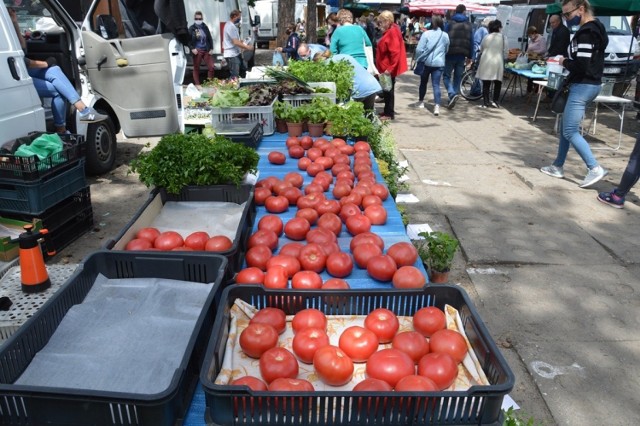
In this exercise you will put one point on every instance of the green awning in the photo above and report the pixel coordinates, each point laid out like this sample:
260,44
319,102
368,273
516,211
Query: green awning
605,7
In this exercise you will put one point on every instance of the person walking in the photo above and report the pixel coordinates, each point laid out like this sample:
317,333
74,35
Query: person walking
350,39
560,37
233,46
201,45
391,58
460,49
585,63
491,67
615,198
431,49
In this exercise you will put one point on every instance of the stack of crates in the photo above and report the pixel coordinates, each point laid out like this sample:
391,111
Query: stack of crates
53,189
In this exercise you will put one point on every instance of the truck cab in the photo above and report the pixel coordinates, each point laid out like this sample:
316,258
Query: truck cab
124,60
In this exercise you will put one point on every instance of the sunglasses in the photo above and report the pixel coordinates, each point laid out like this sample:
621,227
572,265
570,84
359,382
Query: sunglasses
567,15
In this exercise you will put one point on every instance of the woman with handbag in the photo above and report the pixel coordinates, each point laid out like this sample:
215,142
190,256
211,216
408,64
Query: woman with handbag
391,59
585,64
432,48
491,66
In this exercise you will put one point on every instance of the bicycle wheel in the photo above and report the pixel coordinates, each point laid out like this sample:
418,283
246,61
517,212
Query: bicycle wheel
470,87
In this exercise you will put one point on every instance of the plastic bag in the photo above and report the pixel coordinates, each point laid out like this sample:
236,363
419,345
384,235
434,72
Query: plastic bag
278,60
385,82
522,59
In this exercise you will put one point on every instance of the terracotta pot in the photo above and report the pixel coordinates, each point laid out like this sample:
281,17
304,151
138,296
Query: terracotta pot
281,125
437,277
316,129
294,129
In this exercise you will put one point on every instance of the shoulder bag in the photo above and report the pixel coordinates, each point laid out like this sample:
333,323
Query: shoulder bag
419,69
560,99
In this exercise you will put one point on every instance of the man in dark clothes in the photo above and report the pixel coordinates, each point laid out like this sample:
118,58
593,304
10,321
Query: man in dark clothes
560,37
460,49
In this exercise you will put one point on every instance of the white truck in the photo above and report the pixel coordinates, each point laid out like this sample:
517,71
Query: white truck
267,10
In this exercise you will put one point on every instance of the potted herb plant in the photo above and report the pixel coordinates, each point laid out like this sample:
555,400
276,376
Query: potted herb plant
294,118
316,114
437,251
280,111
349,120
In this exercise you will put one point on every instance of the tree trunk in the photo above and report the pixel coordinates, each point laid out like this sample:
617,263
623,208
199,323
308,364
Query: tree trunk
312,21
286,16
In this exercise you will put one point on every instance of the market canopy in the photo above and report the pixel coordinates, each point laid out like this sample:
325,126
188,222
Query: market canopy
605,7
440,6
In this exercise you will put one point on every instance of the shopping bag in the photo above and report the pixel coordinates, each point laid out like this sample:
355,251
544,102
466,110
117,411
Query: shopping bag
385,82
278,60
419,69
371,65
560,99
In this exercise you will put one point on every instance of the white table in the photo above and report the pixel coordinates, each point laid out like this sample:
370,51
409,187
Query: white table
543,84
612,103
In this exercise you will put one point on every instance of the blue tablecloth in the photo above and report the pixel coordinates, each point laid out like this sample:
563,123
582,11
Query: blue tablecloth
527,74
392,232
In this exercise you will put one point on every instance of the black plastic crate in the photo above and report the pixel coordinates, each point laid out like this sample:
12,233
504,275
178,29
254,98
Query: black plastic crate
33,168
248,133
34,197
223,193
68,232
478,405
33,405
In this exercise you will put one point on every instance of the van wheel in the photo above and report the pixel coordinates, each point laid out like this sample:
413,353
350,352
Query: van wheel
101,147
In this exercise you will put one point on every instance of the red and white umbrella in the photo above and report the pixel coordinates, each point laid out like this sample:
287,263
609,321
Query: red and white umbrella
439,6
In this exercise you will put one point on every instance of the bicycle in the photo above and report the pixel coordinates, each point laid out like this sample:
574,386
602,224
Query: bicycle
470,86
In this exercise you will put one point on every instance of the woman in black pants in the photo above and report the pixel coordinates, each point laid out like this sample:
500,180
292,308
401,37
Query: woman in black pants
630,176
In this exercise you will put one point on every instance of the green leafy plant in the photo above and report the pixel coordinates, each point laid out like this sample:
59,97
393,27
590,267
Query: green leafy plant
437,250
317,110
281,109
294,115
383,146
350,119
179,160
339,72
512,419
224,98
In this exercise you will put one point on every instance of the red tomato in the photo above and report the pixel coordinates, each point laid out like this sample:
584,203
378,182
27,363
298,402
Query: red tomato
297,228
341,158
333,366
218,243
149,234
250,275
352,198
341,166
358,224
291,249
358,343
361,146
339,264
377,214
139,244
383,323
321,236
314,168
290,263
276,204
251,382
257,338
330,248
309,318
408,277
306,280
312,258
372,385
428,320
308,213
439,367
363,252
346,175
276,277
280,186
412,343
415,383
296,151
331,222
310,201
335,284
276,157
292,141
168,240
380,190
450,342
381,267
390,365
274,317
258,256
294,178
341,190
404,253
367,237
287,384
370,200
362,190
183,248
271,223
260,195
196,240
278,362
348,210
267,182
314,153
313,188
328,206
306,141
263,237
292,194
304,163
306,342
325,162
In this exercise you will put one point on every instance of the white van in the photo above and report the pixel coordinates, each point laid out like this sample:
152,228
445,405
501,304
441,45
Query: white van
125,63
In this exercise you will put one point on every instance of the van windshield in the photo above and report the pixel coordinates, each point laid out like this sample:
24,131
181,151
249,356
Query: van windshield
615,25
32,15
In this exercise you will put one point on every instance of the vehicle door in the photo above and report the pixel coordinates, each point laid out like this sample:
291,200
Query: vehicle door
135,66
20,110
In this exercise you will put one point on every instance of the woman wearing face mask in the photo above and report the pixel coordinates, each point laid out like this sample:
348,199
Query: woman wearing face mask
585,64
293,43
201,45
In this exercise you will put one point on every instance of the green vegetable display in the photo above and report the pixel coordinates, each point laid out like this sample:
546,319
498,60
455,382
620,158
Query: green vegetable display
180,160
339,72
224,98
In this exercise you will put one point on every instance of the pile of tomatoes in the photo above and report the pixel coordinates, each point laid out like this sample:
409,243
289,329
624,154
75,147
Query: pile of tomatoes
152,239
356,202
425,358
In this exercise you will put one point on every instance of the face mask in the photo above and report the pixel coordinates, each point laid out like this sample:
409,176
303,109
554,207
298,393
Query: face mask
198,21
574,21
236,21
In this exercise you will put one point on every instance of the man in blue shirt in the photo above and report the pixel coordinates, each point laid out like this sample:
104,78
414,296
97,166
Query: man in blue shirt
307,52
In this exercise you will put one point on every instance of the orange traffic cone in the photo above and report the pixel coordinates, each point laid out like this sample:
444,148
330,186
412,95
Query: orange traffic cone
33,272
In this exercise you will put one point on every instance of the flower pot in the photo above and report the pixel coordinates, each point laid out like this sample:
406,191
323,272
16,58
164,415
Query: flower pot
281,125
438,277
294,129
316,129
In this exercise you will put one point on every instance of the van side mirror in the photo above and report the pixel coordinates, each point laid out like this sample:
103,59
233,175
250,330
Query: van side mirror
107,27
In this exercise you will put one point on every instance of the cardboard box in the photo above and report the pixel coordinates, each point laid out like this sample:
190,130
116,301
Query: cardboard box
272,44
8,250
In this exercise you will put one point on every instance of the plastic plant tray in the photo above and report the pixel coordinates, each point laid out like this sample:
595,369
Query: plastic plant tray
261,114
231,405
248,133
34,405
297,100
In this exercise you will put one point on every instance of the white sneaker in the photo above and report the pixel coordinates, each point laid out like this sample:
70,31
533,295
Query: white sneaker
436,110
421,105
594,175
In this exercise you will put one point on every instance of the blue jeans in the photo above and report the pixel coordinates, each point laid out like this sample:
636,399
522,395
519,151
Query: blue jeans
455,67
580,95
52,83
436,75
234,66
